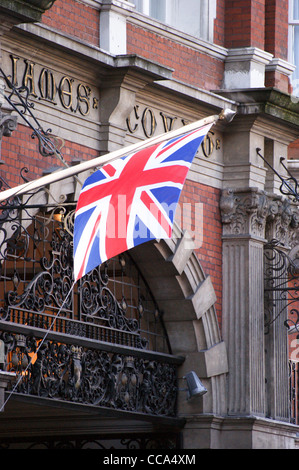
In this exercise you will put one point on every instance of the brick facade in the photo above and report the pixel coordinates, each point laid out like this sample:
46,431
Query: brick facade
245,23
21,151
75,19
190,66
210,251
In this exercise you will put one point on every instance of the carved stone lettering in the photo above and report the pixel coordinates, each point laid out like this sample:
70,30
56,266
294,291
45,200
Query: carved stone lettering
148,122
44,84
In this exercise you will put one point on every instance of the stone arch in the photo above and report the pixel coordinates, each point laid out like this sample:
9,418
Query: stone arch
186,297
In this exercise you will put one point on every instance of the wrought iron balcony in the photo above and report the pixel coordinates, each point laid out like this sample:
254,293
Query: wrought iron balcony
107,347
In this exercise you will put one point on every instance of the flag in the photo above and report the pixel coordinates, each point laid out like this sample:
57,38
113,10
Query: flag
132,200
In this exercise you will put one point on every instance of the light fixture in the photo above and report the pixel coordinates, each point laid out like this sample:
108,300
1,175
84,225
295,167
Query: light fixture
195,386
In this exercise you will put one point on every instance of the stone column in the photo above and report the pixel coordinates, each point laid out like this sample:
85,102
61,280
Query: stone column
113,25
245,68
244,217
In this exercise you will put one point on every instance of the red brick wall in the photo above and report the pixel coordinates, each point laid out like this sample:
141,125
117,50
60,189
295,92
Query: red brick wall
293,151
245,23
276,34
75,19
277,80
219,24
190,66
210,251
20,150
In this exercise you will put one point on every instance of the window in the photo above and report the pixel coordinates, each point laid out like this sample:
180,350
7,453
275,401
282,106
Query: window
294,42
190,16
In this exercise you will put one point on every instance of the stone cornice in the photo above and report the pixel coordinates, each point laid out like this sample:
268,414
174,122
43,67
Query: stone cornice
268,102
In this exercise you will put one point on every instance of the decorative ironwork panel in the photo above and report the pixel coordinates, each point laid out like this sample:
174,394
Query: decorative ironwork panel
294,391
281,286
143,442
282,310
76,374
111,304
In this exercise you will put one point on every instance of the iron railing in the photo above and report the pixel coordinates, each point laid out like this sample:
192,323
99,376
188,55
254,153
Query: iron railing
294,392
101,343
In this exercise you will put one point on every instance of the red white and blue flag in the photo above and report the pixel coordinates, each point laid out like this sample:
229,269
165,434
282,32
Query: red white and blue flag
132,200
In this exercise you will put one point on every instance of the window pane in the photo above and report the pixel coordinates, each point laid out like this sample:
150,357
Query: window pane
139,5
157,9
296,10
187,17
295,76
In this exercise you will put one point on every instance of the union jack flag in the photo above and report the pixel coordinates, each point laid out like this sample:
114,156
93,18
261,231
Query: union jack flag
131,200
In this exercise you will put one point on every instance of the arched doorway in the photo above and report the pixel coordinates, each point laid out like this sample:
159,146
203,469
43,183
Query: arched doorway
120,345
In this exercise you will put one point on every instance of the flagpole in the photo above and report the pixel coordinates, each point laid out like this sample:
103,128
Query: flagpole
225,115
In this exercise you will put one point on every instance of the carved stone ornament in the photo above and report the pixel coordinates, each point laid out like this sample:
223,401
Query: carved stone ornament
244,212
8,124
255,213
41,4
81,375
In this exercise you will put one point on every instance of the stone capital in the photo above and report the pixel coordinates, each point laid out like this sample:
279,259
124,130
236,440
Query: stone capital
256,214
244,213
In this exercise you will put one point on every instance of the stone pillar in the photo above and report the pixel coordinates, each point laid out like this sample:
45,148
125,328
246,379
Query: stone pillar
245,68
244,217
253,319
243,168
113,25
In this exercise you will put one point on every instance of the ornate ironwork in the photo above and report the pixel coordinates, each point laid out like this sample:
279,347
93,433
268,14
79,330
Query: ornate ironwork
111,307
18,99
144,442
111,304
281,286
72,373
294,391
289,186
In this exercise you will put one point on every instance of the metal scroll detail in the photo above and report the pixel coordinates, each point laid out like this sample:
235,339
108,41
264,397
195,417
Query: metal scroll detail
18,99
89,376
281,286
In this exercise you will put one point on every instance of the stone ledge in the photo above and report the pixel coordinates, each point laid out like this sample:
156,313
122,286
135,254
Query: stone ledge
22,11
248,432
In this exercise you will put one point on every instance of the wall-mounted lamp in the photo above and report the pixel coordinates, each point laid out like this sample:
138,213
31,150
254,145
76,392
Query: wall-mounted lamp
195,387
